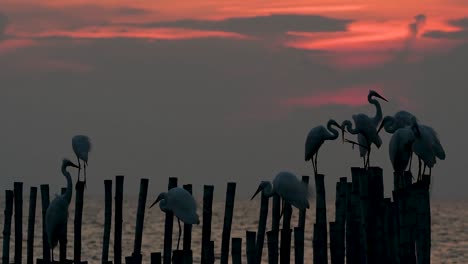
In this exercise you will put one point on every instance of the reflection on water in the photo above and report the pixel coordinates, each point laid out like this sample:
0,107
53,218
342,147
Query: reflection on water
449,229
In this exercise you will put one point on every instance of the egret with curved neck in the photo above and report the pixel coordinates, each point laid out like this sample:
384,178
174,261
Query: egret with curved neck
316,138
57,213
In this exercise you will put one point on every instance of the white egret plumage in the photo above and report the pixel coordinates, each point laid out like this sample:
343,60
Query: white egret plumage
401,119
367,126
56,217
289,188
316,137
81,146
181,203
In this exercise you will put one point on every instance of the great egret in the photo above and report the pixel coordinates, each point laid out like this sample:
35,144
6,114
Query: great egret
427,147
367,126
316,138
400,120
81,146
180,202
57,213
289,188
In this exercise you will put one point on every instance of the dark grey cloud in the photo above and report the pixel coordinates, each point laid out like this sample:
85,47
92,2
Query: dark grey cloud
461,34
417,25
262,25
131,11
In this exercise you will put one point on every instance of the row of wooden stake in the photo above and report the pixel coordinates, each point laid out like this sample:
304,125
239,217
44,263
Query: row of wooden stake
367,227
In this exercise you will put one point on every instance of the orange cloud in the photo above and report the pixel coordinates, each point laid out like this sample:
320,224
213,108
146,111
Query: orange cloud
353,96
12,45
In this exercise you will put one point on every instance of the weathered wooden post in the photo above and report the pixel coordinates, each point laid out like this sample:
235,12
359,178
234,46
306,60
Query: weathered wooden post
236,250
178,257
210,253
320,226
228,212
63,241
207,212
275,212
250,246
364,209
78,221
261,228
156,258
187,242
423,241
118,219
340,219
168,225
272,237
374,217
136,255
7,226
31,222
333,242
299,245
302,213
107,220
18,192
285,249
45,241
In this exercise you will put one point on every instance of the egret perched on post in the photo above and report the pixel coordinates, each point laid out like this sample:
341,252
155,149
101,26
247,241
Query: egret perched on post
367,126
57,213
81,146
180,202
316,138
289,188
427,147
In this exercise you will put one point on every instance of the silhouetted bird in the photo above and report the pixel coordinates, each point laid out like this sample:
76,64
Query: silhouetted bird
81,146
57,213
366,126
180,202
289,188
316,138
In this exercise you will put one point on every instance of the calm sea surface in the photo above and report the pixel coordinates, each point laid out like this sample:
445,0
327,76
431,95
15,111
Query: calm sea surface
449,229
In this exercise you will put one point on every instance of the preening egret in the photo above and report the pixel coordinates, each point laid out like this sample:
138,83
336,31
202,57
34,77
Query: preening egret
289,188
316,138
57,213
366,125
427,147
81,146
400,120
180,202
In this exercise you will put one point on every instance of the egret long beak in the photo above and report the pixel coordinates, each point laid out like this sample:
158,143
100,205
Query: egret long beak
343,131
380,128
381,97
155,202
258,191
74,165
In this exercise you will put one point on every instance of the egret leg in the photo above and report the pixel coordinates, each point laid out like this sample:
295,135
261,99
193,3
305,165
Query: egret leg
282,209
313,164
316,168
52,255
410,159
364,160
419,170
79,169
180,229
368,156
85,173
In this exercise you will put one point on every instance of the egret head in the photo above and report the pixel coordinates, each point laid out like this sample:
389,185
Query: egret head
264,185
373,93
161,196
344,125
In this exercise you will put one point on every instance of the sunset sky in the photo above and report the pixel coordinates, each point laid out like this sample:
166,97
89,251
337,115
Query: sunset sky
217,91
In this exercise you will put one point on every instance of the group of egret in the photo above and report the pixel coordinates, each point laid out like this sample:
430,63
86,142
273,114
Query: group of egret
56,217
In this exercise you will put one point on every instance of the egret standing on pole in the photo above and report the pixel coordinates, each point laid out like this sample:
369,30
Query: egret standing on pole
367,126
427,147
316,138
81,146
180,202
56,217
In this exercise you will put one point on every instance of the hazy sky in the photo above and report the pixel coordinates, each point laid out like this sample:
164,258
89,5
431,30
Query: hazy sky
217,91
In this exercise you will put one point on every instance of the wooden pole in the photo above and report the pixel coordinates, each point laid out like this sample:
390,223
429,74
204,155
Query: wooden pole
228,213
333,242
169,221
107,220
236,250
276,211
178,257
374,217
285,249
272,237
364,207
63,240
320,227
156,258
18,192
250,246
207,212
350,237
423,243
136,256
31,223
118,219
302,213
261,228
7,226
45,241
210,253
187,242
78,221
340,220
299,245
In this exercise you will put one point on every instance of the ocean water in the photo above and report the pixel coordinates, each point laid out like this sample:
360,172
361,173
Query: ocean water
449,229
